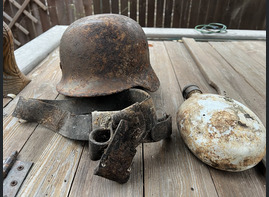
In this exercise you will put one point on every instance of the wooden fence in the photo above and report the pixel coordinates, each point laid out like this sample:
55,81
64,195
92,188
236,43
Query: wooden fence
30,18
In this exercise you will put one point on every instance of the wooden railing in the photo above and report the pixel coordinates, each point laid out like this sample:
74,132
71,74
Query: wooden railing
235,14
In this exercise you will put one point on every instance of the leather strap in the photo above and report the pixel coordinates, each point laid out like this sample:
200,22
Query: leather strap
114,125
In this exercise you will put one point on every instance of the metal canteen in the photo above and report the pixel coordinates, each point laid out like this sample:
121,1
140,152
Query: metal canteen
220,131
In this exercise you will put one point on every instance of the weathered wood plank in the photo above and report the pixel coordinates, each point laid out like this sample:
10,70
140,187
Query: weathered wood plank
258,23
88,7
150,17
40,3
37,26
177,8
87,184
247,93
243,64
133,9
36,144
44,79
219,75
249,186
168,12
159,14
70,9
201,59
241,49
105,6
247,183
41,137
212,5
142,13
166,172
115,6
13,79
52,174
45,22
218,9
79,9
248,14
203,12
124,7
17,15
225,10
28,14
9,9
15,32
261,44
52,12
184,17
6,101
25,31
254,49
63,16
185,68
233,13
27,23
228,183
195,12
38,141
96,7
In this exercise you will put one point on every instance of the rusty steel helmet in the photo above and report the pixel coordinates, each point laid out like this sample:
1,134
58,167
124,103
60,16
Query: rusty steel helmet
104,54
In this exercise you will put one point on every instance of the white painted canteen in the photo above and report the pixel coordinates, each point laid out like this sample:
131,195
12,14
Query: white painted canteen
220,131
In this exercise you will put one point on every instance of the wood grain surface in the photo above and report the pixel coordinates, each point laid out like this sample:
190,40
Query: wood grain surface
224,78
97,186
248,68
255,49
233,85
171,169
44,78
6,101
62,167
13,79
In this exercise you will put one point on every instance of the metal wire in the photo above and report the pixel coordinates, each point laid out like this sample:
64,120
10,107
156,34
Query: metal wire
211,28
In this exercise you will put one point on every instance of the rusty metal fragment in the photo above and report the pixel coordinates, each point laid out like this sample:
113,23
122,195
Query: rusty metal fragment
98,142
74,118
115,163
220,131
114,125
8,163
104,54
15,178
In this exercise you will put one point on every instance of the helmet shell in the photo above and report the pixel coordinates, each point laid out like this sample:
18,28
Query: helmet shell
104,54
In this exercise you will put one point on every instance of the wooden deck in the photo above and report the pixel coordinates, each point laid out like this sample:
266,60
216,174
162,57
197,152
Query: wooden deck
62,167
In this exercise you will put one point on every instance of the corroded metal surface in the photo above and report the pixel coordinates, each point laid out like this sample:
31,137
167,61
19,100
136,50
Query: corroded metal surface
114,125
98,142
104,54
74,118
115,163
8,163
15,178
222,132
